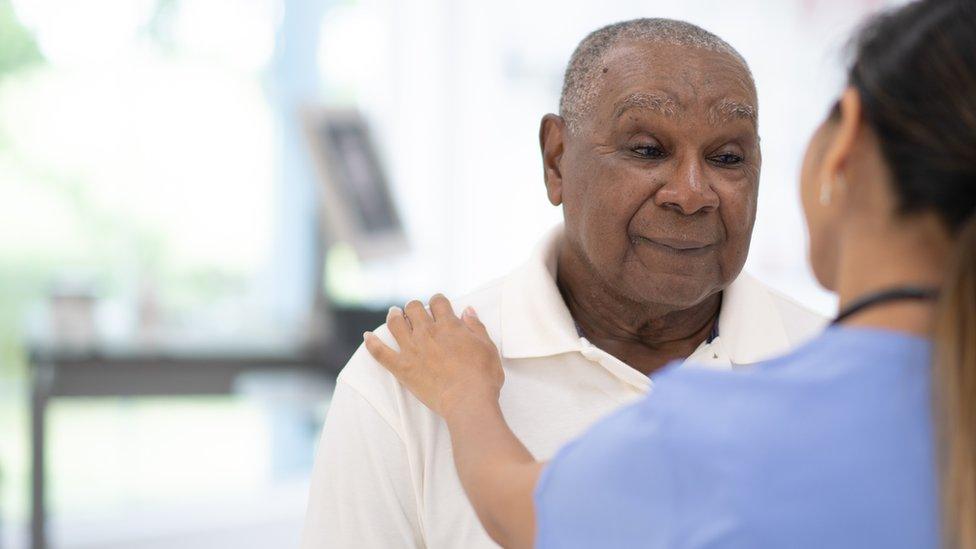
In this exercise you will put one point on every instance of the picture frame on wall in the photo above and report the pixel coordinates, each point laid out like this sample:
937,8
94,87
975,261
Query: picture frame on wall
357,205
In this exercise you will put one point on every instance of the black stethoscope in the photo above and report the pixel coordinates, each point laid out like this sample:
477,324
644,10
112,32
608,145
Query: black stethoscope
903,293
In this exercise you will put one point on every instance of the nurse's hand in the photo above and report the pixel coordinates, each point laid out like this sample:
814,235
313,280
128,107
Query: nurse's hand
449,363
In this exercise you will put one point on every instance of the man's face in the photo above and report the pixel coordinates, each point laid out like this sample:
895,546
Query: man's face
659,183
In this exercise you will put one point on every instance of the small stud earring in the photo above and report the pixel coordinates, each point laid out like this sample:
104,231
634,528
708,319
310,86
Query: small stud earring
827,188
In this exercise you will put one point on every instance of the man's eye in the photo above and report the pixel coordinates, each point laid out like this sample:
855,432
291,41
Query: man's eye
728,159
648,151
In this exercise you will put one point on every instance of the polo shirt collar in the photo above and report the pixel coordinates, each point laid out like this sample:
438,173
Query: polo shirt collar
751,326
535,321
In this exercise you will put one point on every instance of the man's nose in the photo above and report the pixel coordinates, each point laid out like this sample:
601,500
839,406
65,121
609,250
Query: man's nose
687,190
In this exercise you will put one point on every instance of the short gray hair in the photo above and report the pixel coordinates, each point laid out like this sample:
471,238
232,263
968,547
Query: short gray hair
581,82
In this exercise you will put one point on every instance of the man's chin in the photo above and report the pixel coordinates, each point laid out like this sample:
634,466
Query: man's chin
677,291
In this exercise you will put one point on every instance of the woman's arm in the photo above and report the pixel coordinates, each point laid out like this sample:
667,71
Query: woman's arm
452,366
498,473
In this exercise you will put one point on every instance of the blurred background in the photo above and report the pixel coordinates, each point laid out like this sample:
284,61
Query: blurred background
203,203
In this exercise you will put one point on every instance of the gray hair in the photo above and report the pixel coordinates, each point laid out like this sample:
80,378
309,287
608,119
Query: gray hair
581,82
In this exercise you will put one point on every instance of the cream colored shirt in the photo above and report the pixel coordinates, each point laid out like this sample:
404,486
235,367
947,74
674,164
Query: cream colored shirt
384,476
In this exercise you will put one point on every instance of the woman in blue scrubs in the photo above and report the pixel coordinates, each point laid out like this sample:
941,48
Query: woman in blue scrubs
864,437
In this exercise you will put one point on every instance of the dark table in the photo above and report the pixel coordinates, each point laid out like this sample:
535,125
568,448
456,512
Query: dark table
114,371
136,372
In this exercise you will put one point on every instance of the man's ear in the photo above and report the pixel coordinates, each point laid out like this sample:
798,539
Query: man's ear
552,133
844,139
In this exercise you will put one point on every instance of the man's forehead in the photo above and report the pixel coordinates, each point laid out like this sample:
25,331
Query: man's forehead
641,76
717,109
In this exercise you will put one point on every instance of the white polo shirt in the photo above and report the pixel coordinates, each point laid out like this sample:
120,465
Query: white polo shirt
384,476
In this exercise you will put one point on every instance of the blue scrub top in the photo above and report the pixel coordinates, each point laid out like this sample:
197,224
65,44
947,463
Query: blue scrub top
830,446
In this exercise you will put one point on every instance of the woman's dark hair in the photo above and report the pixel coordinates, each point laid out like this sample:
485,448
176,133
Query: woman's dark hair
915,70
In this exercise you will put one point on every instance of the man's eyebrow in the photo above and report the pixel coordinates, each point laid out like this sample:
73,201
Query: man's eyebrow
731,109
660,102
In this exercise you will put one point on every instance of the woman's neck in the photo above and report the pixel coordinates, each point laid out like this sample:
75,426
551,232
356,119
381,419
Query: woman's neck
913,254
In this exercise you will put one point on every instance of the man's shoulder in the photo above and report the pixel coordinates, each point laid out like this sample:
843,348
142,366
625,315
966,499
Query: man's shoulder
378,387
486,300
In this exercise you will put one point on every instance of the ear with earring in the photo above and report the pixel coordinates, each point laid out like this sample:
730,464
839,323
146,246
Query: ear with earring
827,187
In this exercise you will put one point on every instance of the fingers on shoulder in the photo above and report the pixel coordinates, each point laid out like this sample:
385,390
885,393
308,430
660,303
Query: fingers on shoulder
383,353
398,326
471,320
417,315
442,309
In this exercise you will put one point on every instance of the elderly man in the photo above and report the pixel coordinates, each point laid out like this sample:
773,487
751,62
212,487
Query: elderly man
655,160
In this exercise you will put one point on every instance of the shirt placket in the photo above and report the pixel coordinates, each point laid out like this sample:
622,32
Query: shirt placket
634,380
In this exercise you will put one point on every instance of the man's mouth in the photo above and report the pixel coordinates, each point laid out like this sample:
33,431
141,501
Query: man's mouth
679,245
